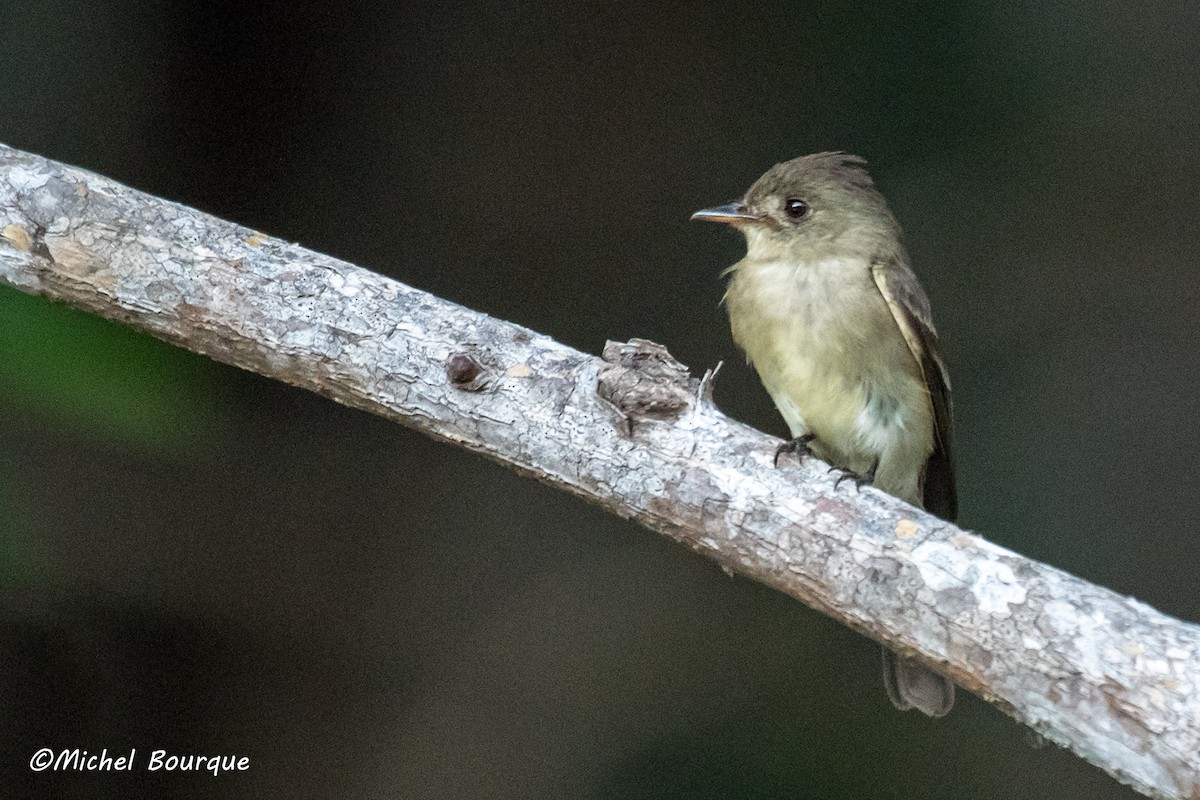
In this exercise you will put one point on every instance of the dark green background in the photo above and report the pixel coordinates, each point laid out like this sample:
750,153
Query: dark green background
199,559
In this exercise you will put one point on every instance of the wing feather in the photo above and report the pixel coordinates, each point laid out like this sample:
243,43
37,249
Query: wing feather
910,309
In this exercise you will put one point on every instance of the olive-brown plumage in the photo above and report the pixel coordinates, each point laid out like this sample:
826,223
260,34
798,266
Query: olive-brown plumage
830,314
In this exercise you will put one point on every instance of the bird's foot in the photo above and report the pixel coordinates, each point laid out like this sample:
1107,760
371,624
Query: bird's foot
859,478
798,445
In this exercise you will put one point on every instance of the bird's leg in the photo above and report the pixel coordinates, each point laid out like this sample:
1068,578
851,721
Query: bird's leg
859,479
798,445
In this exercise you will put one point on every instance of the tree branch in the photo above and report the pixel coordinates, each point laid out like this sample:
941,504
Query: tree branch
1111,678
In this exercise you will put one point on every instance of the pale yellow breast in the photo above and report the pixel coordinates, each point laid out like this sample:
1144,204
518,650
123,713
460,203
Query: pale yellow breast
834,360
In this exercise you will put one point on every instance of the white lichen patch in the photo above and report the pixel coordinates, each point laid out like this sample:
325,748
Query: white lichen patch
23,179
635,483
793,509
993,583
740,489
151,243
1068,622
1154,666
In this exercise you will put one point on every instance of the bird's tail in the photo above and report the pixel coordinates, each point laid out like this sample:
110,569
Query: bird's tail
911,684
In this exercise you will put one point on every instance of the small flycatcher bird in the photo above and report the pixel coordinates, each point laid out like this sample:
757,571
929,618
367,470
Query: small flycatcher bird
829,312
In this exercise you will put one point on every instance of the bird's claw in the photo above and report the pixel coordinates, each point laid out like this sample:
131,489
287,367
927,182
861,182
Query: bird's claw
860,479
798,445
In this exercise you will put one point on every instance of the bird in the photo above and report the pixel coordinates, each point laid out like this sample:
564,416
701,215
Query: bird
829,312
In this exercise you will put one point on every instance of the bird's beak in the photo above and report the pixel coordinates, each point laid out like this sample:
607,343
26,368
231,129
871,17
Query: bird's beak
733,213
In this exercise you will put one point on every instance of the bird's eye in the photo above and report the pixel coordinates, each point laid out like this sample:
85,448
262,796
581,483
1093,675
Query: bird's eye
795,208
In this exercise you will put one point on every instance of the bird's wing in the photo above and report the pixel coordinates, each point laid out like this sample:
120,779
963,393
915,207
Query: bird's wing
910,309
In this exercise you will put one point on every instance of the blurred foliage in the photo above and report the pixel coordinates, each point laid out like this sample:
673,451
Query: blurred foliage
86,377
74,369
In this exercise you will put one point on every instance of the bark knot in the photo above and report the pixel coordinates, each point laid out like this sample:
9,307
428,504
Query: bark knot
642,379
464,371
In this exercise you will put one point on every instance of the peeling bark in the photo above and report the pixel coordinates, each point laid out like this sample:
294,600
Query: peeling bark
1104,675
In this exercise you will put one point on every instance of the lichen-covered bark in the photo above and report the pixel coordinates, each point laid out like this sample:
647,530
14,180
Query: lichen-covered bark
1105,675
